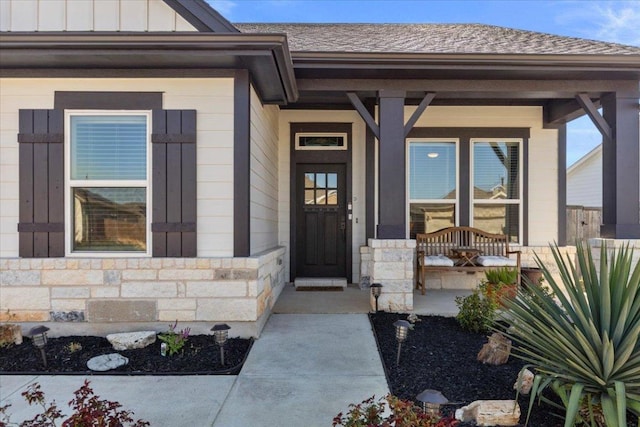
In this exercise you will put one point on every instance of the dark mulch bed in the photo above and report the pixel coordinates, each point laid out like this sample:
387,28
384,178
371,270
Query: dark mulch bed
200,355
439,355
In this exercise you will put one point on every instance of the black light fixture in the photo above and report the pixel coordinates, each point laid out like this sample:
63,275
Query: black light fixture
220,334
431,401
39,337
376,290
402,330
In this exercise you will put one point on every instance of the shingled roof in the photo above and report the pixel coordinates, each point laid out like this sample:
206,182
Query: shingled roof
433,38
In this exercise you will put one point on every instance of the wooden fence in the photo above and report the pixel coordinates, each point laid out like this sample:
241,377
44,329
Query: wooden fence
583,223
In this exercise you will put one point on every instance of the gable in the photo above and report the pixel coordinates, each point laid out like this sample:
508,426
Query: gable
90,15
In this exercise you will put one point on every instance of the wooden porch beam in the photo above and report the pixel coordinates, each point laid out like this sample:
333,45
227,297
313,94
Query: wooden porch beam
426,101
592,111
560,111
366,116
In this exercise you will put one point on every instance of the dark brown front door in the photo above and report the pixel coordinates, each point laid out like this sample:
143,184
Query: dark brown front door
321,223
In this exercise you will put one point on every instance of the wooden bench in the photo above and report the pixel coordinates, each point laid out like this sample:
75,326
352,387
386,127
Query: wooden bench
444,246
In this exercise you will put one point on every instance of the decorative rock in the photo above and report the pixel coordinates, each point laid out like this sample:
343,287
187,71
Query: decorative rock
525,378
491,413
67,316
496,351
10,333
107,362
131,340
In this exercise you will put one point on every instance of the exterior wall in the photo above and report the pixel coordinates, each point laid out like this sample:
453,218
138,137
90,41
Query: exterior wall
584,182
90,15
213,100
104,293
358,175
543,156
264,175
94,292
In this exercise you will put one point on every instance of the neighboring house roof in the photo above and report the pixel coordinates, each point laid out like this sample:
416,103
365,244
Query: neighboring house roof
597,151
432,38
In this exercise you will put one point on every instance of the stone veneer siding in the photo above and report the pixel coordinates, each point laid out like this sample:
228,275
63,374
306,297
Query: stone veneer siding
391,264
142,289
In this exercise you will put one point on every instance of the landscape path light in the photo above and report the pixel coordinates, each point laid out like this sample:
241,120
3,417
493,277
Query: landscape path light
402,330
220,334
376,290
39,337
431,401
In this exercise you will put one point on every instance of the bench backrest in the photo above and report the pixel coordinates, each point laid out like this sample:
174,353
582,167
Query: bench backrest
443,241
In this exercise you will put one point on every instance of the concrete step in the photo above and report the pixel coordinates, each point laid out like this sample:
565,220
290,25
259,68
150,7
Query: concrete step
320,283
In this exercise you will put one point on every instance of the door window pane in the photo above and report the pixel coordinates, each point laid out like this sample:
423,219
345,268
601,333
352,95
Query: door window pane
109,219
109,147
320,188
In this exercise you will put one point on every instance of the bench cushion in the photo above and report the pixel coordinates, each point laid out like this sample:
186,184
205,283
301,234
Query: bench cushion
437,261
496,261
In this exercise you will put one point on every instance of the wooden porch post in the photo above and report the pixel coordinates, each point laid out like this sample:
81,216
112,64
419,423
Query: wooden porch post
621,167
392,168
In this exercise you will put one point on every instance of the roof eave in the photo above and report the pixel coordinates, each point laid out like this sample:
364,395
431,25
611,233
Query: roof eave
601,62
266,56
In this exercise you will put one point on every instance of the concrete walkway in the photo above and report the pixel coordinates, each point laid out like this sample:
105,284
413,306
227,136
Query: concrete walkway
304,369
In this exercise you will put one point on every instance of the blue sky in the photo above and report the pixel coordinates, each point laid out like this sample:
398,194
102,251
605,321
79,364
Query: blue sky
613,21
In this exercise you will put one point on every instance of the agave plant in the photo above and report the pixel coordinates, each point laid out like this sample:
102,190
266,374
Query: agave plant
584,344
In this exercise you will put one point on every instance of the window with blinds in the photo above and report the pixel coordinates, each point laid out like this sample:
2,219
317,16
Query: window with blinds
433,185
497,186
108,182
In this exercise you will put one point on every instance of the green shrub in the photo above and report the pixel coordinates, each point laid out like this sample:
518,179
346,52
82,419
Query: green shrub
584,346
477,312
504,275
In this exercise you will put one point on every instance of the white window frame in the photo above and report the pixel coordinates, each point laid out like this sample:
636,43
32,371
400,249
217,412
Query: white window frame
321,134
456,201
72,183
519,201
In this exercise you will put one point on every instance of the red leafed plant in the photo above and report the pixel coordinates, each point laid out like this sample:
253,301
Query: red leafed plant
89,411
403,413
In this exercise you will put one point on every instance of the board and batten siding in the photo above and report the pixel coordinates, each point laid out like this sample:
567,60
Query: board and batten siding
212,98
358,223
263,176
543,156
584,181
90,15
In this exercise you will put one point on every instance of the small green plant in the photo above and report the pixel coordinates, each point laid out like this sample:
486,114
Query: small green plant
477,311
72,347
404,413
504,276
175,340
88,410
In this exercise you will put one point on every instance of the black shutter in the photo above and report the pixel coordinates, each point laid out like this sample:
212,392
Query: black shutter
174,183
41,177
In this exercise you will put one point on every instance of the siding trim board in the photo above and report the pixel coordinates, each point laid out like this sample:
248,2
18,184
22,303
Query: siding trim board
241,164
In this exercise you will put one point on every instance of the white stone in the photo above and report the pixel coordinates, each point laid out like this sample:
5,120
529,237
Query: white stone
107,362
491,413
525,378
131,340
